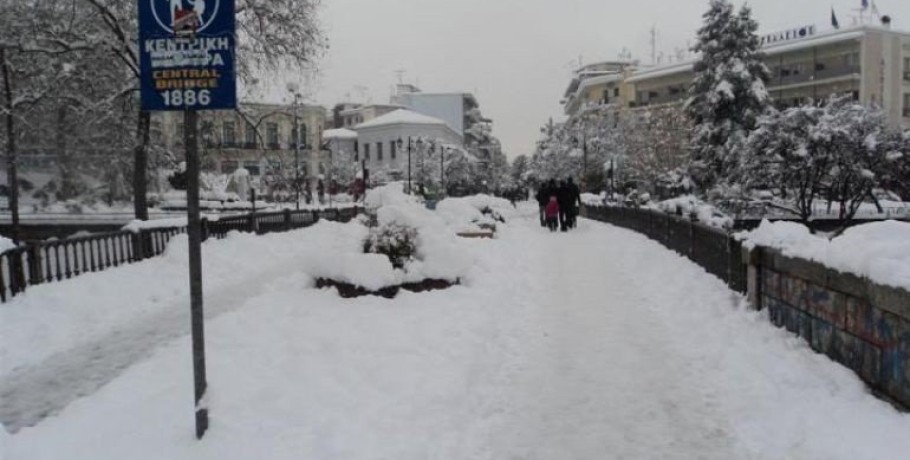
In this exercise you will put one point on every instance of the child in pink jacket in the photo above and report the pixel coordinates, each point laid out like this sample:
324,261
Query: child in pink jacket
552,214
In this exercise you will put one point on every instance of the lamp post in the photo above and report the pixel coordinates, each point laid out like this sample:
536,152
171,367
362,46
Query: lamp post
400,144
293,89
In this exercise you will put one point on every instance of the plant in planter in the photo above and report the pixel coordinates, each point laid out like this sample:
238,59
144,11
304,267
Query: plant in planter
397,242
488,211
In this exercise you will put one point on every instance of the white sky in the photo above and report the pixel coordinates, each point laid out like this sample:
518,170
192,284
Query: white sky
517,55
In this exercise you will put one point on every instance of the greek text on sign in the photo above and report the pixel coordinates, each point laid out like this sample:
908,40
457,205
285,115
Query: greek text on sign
187,54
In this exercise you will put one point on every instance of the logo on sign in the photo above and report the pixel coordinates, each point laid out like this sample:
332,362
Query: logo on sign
184,17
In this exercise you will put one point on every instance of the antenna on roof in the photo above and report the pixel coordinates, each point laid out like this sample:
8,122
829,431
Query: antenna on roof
653,44
400,74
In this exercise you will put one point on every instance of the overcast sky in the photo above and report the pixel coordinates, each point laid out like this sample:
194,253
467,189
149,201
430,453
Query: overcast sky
516,56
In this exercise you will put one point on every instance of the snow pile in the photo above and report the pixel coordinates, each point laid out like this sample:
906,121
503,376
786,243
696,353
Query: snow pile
879,251
468,213
6,244
690,206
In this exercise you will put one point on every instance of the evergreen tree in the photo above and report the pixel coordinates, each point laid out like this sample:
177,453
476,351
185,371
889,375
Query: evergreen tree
728,93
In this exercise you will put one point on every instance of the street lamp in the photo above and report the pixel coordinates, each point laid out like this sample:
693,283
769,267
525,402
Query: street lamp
400,144
294,90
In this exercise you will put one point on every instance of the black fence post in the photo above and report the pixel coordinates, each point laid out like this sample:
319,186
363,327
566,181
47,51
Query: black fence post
287,219
16,273
204,227
34,264
138,250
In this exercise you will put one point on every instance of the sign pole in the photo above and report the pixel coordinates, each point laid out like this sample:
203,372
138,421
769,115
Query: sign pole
194,232
186,62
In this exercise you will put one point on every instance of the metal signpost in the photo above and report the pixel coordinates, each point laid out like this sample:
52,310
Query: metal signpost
186,57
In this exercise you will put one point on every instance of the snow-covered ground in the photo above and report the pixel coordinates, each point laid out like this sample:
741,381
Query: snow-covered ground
594,344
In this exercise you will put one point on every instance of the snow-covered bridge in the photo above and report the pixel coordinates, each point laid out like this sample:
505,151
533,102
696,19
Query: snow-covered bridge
594,344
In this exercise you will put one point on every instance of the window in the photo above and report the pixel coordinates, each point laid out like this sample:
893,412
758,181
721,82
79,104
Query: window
851,60
379,151
392,149
301,139
249,137
252,167
907,105
228,166
615,92
366,152
228,133
907,69
819,66
356,152
271,134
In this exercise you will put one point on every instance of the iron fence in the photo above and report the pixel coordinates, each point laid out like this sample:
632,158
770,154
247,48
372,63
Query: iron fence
713,249
39,262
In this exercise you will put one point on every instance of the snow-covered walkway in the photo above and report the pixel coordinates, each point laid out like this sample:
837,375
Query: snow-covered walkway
596,344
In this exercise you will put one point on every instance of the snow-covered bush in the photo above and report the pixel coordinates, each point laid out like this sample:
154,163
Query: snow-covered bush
395,241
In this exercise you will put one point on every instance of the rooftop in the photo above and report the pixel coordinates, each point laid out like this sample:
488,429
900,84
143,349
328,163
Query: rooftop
399,117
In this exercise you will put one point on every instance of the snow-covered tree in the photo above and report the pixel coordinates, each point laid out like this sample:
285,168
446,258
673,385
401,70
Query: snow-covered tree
838,152
728,92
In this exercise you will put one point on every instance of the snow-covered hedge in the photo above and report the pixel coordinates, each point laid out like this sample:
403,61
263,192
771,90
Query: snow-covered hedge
879,251
692,207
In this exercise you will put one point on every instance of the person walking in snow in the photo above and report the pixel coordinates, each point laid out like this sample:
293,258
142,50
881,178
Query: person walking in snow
563,197
543,197
552,213
574,202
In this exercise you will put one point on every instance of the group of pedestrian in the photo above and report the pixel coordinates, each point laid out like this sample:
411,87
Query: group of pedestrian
559,204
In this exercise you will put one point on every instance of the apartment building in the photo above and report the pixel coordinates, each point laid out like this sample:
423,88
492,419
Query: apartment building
869,63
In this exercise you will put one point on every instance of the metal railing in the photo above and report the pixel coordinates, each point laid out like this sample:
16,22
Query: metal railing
713,249
39,262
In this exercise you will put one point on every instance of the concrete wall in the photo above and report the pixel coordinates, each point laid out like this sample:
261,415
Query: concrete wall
860,324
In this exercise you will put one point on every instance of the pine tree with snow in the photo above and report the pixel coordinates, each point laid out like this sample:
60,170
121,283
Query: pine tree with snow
728,93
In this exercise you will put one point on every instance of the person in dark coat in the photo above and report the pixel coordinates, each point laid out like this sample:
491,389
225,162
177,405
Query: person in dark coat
543,197
574,202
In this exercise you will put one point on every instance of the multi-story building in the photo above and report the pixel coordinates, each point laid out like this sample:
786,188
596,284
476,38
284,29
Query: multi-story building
382,143
458,110
257,137
348,115
598,84
869,63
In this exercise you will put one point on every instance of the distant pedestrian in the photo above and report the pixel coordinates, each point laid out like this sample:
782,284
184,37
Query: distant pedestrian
543,197
564,199
552,214
574,202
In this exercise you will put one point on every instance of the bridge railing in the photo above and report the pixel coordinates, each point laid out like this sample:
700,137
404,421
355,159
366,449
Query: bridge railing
713,249
39,262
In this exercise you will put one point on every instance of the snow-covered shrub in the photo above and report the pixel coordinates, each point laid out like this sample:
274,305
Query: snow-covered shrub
395,241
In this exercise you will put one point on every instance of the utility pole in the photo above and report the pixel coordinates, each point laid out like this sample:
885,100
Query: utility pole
296,153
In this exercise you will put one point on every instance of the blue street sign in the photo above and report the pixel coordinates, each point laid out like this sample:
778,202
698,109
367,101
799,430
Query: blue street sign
186,54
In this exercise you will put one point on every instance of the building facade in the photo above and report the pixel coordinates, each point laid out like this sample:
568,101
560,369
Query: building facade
382,143
460,111
869,63
258,137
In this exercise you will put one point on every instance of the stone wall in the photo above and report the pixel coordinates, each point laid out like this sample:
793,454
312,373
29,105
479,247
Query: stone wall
860,324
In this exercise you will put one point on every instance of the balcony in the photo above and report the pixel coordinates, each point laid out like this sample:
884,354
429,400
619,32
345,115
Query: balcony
907,112
907,76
